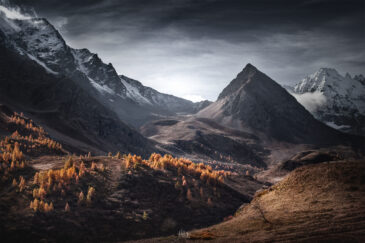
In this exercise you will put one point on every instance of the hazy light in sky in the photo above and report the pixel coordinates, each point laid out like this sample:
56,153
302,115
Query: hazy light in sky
171,63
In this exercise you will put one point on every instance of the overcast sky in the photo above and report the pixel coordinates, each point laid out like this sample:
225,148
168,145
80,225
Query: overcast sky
194,48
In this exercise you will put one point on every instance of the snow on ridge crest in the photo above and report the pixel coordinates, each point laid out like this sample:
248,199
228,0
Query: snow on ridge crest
133,93
338,101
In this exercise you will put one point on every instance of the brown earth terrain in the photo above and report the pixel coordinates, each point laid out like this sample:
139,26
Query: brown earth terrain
315,203
48,194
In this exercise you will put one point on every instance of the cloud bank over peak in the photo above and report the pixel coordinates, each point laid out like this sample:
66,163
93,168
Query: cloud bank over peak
311,101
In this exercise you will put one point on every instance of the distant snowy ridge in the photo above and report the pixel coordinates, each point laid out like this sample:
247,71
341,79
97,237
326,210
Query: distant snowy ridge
338,101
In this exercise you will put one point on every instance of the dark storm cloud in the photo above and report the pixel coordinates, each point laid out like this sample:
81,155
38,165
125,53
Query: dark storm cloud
185,46
214,17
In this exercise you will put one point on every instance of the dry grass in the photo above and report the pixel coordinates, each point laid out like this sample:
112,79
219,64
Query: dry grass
314,202
202,235
320,203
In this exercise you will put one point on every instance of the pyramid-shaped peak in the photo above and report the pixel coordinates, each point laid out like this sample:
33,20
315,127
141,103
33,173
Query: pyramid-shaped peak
250,75
250,66
248,71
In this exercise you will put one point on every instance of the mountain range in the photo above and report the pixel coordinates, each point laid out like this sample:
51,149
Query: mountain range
83,100
87,105
254,123
253,102
39,41
88,154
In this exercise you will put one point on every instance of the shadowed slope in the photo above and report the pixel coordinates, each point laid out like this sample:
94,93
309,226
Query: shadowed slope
65,108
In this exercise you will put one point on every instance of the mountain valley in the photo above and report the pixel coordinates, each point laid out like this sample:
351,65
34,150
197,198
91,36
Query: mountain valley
90,155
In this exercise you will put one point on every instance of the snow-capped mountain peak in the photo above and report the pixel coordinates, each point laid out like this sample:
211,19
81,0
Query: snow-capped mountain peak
39,40
343,98
333,85
325,80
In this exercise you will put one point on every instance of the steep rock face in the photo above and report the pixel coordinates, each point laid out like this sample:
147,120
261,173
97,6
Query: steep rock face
342,103
63,107
102,76
254,102
41,42
37,39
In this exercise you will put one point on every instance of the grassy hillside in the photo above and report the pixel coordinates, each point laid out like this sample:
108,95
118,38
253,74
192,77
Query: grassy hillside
315,203
49,194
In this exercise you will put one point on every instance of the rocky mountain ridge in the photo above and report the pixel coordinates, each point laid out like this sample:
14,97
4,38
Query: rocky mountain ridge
37,39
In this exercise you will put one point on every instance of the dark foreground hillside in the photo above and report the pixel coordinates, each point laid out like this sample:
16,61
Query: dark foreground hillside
48,195
315,203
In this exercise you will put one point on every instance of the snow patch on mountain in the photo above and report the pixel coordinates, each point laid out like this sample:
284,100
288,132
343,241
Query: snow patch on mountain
80,60
101,88
133,93
42,64
335,126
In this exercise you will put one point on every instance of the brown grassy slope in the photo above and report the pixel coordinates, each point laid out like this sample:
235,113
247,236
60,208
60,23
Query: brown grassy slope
132,198
280,169
319,203
130,202
116,213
